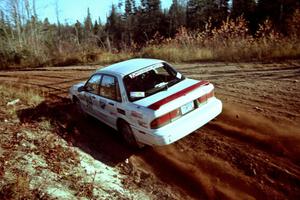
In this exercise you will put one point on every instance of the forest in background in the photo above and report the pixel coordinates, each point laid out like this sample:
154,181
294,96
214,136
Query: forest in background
189,31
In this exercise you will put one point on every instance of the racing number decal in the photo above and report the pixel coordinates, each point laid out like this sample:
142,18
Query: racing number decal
89,102
136,114
102,104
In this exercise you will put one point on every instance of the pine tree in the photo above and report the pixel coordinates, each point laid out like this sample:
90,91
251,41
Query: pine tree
88,24
46,22
2,25
148,20
242,7
150,6
129,21
199,12
95,28
114,28
177,17
128,8
134,8
2,18
245,8
78,31
278,11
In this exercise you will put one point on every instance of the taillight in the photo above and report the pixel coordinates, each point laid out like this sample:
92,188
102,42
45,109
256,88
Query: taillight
202,99
205,97
211,94
165,119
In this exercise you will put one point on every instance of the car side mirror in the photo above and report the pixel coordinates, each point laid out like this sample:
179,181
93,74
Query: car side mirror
81,89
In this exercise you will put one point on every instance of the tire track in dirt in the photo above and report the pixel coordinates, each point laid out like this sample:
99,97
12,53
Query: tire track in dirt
241,155
258,103
53,84
259,131
202,174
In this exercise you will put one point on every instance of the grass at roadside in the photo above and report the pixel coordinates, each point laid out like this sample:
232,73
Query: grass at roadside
12,95
233,52
172,53
96,56
230,42
28,96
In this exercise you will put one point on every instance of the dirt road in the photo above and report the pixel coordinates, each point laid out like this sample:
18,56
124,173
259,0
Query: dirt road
251,151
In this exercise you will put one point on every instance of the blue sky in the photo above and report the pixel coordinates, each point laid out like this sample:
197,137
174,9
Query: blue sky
72,10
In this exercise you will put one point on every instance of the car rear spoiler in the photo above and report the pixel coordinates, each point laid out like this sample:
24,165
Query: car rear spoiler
158,104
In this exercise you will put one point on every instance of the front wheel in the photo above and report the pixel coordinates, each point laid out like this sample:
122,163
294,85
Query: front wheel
78,107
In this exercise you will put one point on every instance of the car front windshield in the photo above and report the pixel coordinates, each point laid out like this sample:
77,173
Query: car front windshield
150,80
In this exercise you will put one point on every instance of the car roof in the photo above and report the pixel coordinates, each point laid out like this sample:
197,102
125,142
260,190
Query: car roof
127,67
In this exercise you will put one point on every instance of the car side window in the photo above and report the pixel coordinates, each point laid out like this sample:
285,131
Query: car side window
109,88
92,84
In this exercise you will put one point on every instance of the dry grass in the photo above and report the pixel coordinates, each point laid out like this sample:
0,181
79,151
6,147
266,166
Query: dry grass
96,57
230,42
13,95
108,57
26,95
175,53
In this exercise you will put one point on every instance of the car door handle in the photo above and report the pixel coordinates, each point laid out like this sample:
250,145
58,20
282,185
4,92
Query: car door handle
112,104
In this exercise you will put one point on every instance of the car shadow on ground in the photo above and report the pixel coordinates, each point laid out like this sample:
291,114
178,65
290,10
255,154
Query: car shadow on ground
87,133
104,143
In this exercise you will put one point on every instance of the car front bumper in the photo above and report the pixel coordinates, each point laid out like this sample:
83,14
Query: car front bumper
183,126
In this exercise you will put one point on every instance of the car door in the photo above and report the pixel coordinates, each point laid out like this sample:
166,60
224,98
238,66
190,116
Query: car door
90,93
109,99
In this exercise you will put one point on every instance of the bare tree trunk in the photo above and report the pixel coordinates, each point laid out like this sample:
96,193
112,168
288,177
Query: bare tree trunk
108,44
57,16
17,20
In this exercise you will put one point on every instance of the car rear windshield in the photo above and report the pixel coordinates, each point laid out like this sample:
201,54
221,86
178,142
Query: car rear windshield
150,80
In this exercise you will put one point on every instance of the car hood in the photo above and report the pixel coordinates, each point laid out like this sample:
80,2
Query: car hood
176,95
77,85
74,88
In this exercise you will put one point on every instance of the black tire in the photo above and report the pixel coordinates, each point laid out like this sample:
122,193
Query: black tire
78,107
127,134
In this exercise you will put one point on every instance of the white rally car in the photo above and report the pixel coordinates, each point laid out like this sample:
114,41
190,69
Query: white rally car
147,101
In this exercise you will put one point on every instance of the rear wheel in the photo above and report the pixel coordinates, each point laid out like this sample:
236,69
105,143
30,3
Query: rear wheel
127,134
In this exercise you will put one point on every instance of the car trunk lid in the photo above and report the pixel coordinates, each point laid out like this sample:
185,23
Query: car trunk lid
177,95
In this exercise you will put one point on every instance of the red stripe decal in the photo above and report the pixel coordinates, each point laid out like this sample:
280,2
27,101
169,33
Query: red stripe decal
158,104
